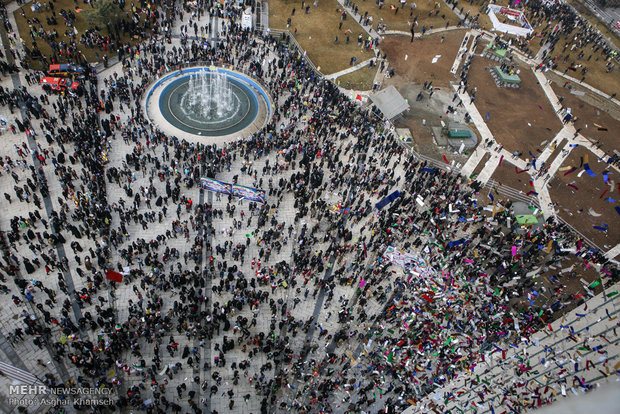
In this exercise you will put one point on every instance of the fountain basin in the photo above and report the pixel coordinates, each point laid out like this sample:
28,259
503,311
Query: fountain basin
204,101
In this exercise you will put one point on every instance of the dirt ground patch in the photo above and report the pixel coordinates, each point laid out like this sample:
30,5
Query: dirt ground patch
596,123
563,287
595,99
511,111
422,134
586,206
317,30
419,67
506,174
423,117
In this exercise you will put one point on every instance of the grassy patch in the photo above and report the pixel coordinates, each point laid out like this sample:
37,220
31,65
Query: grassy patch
428,13
475,10
26,23
593,20
317,30
595,63
597,75
361,79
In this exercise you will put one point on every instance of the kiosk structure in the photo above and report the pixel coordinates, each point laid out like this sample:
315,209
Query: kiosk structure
521,26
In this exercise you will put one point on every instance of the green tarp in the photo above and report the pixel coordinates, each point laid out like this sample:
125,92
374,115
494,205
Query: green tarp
499,52
459,133
506,77
526,219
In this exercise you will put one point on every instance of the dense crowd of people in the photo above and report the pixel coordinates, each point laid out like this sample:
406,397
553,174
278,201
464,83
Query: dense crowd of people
240,302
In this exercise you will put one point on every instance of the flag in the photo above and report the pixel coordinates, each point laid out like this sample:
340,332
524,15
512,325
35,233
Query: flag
358,97
114,276
586,167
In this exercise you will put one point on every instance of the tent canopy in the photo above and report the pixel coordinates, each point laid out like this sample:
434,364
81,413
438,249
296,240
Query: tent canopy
390,102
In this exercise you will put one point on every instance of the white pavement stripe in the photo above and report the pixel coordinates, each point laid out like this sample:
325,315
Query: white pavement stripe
20,375
489,168
473,161
546,205
349,70
559,160
461,53
368,29
611,254
565,132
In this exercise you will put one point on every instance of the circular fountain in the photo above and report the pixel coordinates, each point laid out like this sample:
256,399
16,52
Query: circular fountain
208,102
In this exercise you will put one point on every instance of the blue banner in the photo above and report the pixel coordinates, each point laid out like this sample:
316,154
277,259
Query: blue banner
387,200
248,193
216,186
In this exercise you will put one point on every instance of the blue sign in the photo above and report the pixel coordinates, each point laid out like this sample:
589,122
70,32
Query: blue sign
387,200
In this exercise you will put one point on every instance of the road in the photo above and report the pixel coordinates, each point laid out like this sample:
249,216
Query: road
610,15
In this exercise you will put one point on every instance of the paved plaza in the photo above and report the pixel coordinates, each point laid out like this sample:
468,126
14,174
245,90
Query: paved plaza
316,301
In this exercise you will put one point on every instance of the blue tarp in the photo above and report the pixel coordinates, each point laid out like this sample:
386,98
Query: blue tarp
588,170
387,200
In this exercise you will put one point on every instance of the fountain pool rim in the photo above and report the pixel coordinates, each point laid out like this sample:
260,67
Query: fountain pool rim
151,103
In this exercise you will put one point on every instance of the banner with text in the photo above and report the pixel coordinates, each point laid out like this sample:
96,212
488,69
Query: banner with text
216,186
248,193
